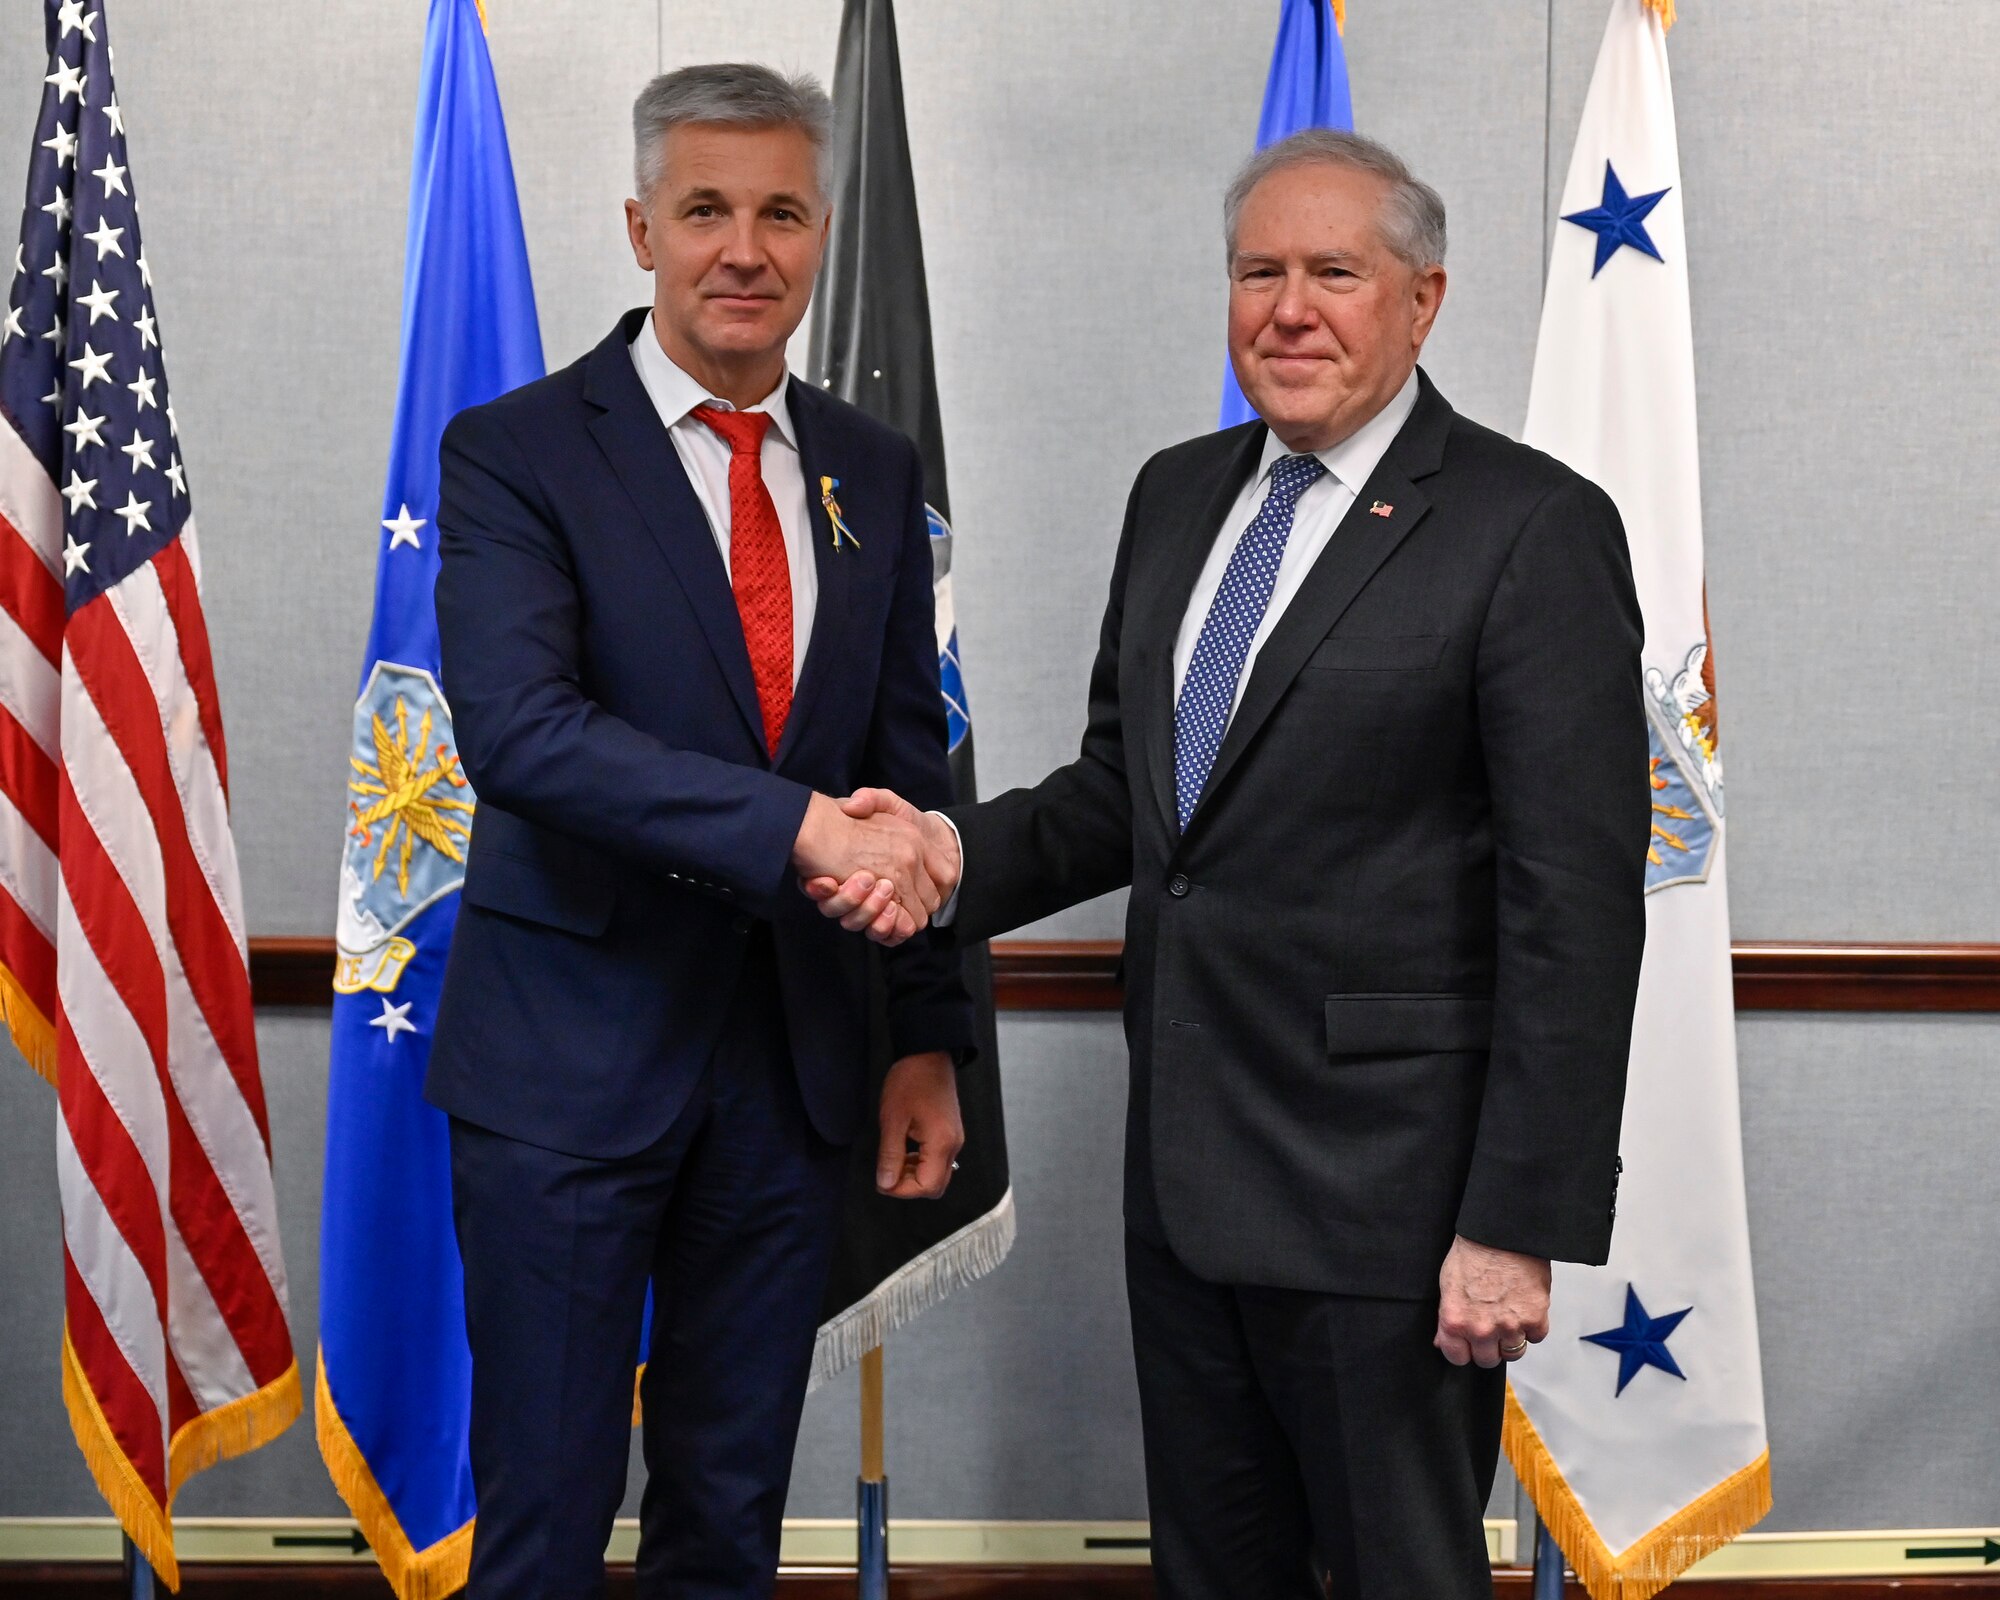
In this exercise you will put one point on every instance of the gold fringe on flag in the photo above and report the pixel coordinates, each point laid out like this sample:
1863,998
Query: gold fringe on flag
245,1424
1665,8
231,1430
147,1523
33,1035
1662,1555
428,1574
1340,17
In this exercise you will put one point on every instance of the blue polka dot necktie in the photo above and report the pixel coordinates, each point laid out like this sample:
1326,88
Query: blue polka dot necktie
1202,714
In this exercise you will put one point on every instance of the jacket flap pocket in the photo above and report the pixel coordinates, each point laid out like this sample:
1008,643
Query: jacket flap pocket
1407,1024
576,902
1416,652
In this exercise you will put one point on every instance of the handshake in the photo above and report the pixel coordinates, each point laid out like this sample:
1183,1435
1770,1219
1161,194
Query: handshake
876,863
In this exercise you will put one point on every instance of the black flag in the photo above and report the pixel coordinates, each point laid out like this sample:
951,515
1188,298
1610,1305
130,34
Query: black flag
871,345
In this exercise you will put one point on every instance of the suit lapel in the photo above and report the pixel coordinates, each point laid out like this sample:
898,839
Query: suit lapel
1159,630
819,456
635,441
1363,541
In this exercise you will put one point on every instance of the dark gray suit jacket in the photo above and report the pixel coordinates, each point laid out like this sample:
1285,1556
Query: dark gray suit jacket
1381,990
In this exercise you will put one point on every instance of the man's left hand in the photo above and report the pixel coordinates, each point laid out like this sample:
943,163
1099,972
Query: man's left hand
1493,1304
920,1107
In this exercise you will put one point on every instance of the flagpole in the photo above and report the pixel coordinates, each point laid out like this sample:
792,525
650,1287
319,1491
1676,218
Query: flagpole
1548,1565
872,1493
140,1583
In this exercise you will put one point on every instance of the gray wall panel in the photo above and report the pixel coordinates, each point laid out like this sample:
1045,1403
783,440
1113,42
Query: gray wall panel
1873,1193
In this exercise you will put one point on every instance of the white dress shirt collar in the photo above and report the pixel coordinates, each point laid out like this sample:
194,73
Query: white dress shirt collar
1355,457
674,392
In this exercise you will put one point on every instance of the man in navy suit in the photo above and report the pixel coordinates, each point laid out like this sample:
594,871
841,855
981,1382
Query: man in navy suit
684,600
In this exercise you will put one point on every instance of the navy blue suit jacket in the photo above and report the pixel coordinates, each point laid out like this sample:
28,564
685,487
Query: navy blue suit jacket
632,830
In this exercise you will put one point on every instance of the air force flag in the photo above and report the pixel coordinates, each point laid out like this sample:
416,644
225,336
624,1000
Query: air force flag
394,1385
1638,1426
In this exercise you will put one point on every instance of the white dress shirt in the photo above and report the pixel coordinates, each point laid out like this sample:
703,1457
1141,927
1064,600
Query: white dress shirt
705,455
1317,514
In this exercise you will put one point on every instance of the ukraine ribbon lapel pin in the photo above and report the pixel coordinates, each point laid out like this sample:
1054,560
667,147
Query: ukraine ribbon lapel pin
841,531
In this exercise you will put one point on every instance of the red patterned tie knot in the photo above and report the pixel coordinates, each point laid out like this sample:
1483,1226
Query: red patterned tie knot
744,430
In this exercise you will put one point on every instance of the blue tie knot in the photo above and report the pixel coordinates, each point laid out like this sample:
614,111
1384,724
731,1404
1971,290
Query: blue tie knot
1291,476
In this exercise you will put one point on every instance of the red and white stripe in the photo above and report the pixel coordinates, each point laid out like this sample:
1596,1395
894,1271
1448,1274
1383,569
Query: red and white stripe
121,926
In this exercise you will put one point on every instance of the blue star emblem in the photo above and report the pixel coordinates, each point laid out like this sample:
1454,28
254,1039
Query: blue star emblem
1642,1341
1619,219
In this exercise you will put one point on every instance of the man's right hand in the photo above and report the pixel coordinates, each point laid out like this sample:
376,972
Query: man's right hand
861,900
876,858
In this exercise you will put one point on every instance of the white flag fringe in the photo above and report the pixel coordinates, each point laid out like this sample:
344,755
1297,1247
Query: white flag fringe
1638,1426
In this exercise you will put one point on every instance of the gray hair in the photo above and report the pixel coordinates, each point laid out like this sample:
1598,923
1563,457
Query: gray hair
732,94
1412,218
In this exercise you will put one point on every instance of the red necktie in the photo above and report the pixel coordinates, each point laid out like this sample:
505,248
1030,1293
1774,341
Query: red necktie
759,573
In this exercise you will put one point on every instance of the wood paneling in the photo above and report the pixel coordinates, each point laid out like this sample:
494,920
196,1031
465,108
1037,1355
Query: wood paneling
1083,975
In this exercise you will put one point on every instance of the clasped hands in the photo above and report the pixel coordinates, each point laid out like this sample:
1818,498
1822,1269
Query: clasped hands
883,868
876,863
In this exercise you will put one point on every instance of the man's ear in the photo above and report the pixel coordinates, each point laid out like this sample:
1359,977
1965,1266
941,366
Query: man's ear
637,229
1428,293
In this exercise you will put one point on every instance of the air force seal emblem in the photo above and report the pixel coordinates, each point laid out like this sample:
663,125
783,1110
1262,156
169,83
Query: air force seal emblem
409,815
1686,768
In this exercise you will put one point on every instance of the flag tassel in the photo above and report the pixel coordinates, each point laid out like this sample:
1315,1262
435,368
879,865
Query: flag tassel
916,1286
1664,9
147,1523
1653,1561
429,1574
33,1036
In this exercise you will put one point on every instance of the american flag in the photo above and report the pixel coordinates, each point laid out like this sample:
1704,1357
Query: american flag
123,968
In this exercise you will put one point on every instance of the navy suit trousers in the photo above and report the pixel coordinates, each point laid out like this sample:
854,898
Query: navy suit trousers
732,1216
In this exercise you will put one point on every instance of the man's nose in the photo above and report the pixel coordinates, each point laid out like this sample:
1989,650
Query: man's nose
1294,309
740,248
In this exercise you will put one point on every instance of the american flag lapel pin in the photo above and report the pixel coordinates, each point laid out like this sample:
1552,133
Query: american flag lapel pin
1381,508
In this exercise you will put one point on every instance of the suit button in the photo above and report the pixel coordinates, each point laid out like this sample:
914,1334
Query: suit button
1177,885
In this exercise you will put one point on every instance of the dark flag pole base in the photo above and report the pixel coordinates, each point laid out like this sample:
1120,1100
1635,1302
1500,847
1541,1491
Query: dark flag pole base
1548,1565
871,1562
872,1515
140,1583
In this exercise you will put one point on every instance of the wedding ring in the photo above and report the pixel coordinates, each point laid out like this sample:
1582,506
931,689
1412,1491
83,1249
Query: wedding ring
1513,1349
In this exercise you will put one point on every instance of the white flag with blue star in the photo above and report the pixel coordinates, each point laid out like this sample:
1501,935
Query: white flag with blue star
1638,1426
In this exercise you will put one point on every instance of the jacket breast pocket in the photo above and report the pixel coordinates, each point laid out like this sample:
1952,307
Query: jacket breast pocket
1407,1024
1416,652
576,902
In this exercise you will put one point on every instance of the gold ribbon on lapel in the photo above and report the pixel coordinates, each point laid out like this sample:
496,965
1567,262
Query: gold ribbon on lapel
840,528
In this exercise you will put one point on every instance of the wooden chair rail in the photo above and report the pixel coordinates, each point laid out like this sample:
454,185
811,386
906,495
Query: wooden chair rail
1082,975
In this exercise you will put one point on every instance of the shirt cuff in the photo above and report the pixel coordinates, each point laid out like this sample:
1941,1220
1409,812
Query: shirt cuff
941,918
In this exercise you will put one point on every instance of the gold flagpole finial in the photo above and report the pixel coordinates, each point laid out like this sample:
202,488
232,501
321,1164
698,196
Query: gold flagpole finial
1340,17
1666,10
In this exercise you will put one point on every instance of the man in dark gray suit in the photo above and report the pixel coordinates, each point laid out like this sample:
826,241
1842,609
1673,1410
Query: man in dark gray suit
1365,739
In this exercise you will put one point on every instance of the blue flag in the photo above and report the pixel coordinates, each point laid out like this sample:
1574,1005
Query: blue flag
1307,88
394,1383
